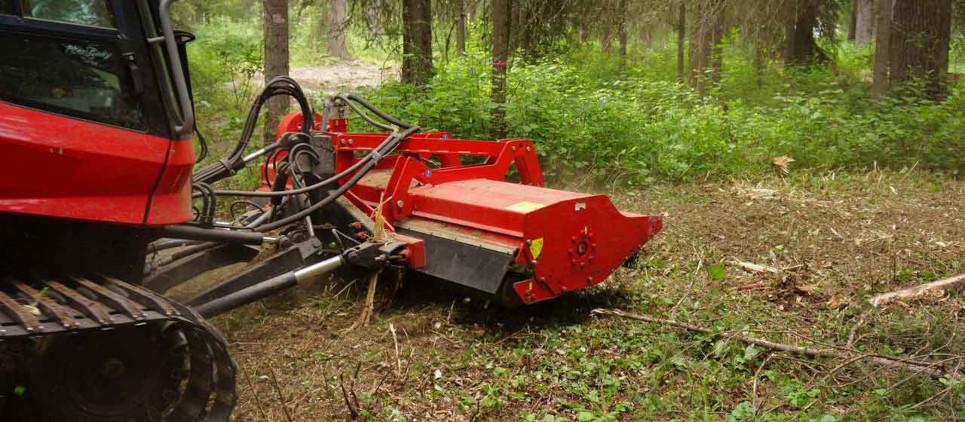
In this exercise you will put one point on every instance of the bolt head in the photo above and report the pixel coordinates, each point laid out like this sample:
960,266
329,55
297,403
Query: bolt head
400,203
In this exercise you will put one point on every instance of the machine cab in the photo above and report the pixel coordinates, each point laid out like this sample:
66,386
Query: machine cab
94,107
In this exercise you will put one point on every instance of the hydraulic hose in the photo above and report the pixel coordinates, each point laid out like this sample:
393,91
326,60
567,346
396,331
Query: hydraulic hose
335,194
234,160
180,231
378,152
315,186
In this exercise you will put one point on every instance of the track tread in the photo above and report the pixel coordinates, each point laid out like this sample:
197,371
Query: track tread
47,305
209,393
15,310
132,309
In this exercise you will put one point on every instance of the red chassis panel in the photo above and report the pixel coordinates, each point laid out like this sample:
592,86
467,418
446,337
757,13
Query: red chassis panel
63,167
565,240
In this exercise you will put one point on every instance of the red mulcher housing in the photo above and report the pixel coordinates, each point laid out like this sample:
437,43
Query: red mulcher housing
467,224
102,212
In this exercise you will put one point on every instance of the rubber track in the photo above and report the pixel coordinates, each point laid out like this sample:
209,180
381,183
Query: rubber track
45,307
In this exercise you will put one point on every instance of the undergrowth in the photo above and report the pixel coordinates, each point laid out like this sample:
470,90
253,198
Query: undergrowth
638,124
631,122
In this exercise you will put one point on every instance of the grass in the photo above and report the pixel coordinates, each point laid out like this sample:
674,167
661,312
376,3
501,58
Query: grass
858,216
845,236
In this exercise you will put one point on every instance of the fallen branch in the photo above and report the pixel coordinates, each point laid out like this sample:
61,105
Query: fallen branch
935,370
398,358
378,235
352,407
281,396
755,268
919,290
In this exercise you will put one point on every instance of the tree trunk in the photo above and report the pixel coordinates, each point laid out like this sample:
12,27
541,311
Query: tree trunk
622,31
801,48
416,42
460,8
919,43
864,28
373,14
681,37
606,37
337,24
276,60
501,32
882,81
706,32
853,20
758,64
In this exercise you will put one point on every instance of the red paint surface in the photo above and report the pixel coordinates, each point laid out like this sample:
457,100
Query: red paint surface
585,238
63,167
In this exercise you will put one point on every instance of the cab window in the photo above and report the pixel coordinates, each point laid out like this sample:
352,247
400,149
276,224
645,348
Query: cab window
82,12
6,7
85,79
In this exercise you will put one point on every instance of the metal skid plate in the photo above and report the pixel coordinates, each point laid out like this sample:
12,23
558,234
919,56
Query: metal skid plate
469,264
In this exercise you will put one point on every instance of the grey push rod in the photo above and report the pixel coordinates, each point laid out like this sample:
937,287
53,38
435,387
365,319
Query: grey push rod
269,287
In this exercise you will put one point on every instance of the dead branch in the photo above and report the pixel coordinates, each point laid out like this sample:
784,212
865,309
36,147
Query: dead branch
281,396
256,394
352,409
919,290
754,268
398,359
935,370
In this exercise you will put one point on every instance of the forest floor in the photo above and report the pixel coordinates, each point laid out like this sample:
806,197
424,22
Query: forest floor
835,238
339,76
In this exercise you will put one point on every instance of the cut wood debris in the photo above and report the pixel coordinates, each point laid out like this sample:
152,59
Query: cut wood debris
939,287
934,369
755,268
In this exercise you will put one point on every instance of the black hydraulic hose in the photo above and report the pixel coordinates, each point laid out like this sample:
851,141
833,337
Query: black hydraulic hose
281,180
181,231
281,85
378,152
385,116
366,117
335,194
315,186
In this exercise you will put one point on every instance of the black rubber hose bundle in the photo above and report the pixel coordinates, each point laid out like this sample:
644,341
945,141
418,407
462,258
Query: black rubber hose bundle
234,160
382,150
286,86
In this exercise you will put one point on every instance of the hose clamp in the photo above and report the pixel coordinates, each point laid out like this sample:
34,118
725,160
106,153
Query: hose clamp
227,166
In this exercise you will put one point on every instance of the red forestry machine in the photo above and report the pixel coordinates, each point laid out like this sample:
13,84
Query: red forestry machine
102,213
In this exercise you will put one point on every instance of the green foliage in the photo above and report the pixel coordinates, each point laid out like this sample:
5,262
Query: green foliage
597,117
590,118
716,272
224,62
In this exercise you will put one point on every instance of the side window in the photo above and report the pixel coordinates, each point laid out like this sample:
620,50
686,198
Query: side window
80,78
83,12
6,7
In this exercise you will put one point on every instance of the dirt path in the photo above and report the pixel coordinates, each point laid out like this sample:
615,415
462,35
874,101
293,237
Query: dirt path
840,238
341,76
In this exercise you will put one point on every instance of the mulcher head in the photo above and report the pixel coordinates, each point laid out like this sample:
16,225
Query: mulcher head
464,222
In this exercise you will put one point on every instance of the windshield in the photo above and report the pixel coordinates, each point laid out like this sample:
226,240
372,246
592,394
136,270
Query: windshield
83,12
